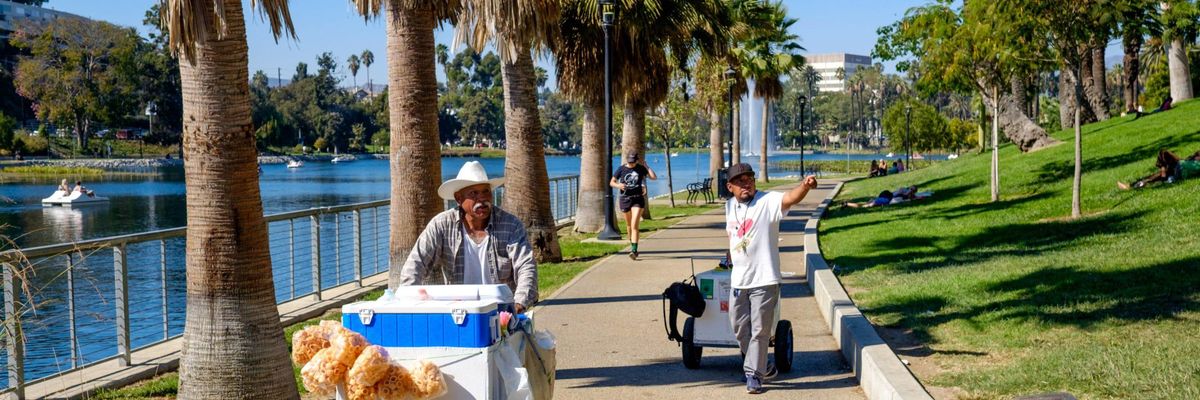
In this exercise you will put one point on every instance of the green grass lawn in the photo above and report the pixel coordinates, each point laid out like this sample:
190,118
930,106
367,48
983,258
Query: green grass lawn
1015,298
577,257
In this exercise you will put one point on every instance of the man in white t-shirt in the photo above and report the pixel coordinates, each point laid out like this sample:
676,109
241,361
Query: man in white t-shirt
752,222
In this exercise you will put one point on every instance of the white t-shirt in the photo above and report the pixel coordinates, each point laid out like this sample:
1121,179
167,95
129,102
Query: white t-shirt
475,260
753,230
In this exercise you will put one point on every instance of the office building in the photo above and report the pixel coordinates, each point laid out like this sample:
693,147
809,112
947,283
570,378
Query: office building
827,66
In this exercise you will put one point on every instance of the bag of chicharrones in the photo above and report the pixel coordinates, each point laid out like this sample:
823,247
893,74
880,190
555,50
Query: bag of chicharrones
540,364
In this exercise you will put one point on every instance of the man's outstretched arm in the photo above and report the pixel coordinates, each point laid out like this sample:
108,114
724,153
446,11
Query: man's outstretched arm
794,196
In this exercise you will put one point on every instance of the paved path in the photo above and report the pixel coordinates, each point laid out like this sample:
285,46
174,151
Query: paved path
610,331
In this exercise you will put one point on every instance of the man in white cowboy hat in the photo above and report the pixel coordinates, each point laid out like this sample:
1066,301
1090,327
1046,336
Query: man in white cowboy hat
474,243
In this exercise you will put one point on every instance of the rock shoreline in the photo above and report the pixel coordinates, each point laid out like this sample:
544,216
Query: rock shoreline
125,164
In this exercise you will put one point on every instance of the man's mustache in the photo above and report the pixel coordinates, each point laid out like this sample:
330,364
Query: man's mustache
481,204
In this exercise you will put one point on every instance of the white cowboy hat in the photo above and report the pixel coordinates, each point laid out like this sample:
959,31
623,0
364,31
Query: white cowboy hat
470,174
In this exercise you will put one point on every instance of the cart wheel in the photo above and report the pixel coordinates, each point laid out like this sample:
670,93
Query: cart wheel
783,346
691,352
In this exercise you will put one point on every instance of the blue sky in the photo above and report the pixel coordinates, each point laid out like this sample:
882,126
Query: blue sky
333,26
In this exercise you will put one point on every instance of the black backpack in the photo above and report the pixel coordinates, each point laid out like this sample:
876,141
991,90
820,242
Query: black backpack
684,296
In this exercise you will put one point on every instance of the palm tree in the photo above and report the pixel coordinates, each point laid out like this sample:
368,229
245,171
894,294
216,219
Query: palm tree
766,56
415,162
367,58
1179,17
517,32
232,341
352,63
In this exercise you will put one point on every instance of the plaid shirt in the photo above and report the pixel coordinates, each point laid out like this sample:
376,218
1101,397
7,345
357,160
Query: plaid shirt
437,258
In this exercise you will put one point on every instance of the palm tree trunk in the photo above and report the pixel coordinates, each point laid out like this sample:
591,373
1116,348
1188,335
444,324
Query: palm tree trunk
762,155
527,191
1095,84
232,341
715,154
593,179
1181,81
415,163
1132,42
633,131
735,145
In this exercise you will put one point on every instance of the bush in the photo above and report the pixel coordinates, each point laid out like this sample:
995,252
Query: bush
381,138
30,144
8,127
320,144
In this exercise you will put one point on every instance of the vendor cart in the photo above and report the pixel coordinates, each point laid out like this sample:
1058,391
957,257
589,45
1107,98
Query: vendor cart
714,328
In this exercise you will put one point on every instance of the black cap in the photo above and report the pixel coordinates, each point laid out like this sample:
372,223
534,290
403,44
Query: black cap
631,157
737,170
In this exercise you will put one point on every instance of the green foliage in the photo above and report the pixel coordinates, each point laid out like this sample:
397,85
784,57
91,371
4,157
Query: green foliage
561,121
320,144
1158,86
358,138
922,130
78,71
1012,297
8,130
52,170
381,138
266,133
30,144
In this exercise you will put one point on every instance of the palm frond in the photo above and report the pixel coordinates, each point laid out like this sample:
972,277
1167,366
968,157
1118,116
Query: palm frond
443,10
192,22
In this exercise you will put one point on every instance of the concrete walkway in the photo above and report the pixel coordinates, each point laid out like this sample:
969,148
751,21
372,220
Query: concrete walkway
609,327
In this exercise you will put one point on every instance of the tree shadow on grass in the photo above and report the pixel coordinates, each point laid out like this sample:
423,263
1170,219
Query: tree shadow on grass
1066,296
914,253
976,208
1059,170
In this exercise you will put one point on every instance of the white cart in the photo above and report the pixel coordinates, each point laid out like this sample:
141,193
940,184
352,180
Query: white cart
714,328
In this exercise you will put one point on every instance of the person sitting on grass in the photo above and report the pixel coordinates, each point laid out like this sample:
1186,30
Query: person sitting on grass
874,169
1166,105
1169,170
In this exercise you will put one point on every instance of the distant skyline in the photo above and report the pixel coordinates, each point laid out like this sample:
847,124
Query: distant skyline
334,26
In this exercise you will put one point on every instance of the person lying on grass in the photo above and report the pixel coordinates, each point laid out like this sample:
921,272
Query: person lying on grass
1170,169
886,197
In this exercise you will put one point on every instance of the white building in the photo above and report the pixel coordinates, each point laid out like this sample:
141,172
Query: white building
827,66
11,13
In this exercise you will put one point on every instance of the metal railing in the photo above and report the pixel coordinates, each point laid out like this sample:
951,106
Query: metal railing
68,306
564,197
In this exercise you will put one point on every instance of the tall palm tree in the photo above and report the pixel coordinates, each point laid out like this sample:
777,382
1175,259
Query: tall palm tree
232,341
518,30
367,58
415,163
768,55
1179,16
352,63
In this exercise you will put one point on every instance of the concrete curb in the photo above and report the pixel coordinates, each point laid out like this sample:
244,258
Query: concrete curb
880,372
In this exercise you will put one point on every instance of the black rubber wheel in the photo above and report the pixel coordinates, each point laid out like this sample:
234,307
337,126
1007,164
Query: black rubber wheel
691,352
783,346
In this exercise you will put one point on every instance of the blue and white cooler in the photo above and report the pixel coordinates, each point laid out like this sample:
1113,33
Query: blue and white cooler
456,327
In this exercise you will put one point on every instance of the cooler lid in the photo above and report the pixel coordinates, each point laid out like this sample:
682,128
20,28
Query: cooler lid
421,306
498,292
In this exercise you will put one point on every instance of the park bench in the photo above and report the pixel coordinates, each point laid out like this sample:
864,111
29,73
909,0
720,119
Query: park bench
702,188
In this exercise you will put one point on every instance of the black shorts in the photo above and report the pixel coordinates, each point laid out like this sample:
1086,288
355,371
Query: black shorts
629,202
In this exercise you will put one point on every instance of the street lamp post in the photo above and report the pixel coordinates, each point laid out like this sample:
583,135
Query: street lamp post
729,75
803,101
907,136
610,231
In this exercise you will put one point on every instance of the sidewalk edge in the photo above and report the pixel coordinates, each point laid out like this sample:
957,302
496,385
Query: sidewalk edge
880,372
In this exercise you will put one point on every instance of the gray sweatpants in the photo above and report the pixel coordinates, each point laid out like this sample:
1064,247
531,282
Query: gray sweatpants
753,312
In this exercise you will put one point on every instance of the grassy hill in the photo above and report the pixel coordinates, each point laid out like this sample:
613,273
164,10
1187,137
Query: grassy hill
1013,297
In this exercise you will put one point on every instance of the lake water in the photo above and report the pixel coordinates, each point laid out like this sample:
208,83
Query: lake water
145,203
